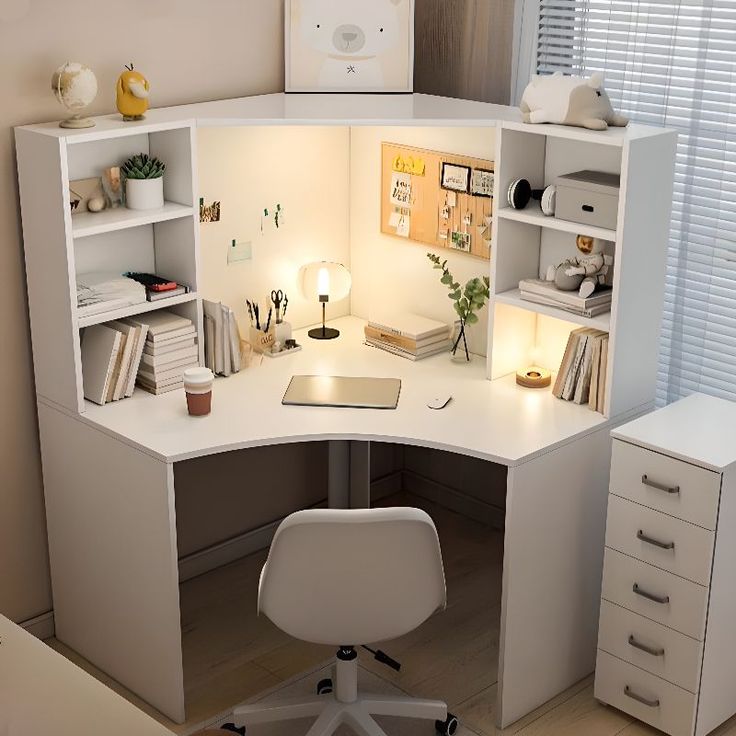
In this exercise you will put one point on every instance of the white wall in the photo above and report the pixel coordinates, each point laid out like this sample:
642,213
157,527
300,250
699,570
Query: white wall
306,170
393,273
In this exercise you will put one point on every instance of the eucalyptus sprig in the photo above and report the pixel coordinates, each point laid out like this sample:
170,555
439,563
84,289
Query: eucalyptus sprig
467,301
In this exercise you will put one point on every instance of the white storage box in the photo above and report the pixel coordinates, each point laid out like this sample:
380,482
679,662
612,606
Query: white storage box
588,197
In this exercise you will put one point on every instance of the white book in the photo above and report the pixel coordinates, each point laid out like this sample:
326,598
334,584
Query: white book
409,325
163,323
169,371
227,360
582,389
213,310
157,361
595,370
573,376
123,374
442,348
140,340
209,343
593,311
100,346
234,337
165,338
169,346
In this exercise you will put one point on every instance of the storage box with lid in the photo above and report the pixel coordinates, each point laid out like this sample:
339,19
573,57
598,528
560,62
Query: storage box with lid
588,197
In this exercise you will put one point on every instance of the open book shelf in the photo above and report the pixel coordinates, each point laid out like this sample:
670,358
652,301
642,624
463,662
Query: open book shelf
523,333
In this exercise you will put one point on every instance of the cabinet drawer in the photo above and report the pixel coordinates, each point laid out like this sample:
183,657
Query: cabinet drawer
665,706
674,545
665,484
655,648
682,605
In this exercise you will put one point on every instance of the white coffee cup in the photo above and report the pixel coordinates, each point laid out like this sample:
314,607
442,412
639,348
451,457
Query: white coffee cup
198,386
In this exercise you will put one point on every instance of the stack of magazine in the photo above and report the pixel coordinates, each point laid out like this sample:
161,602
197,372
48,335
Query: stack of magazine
545,292
408,335
582,375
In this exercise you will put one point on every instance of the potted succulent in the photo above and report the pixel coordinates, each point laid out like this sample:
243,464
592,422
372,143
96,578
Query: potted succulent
144,182
466,302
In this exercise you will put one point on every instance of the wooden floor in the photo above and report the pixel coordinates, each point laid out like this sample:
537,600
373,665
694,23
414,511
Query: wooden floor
231,654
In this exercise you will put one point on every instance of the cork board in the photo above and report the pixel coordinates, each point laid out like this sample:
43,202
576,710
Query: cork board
415,205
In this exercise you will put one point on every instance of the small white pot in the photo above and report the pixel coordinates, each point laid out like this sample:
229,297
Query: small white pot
144,194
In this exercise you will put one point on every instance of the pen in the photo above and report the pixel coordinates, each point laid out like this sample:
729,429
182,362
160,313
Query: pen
268,322
256,310
286,304
250,310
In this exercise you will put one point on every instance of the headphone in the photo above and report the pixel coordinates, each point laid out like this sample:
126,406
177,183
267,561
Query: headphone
520,193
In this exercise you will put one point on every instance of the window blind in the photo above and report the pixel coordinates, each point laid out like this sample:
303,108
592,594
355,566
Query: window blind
673,63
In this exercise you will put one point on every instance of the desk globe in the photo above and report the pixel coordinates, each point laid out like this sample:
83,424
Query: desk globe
75,87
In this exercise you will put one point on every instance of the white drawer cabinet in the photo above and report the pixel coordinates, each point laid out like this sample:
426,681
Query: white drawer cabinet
667,636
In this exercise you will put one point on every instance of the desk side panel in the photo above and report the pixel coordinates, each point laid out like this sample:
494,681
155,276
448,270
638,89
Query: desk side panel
49,257
113,553
552,567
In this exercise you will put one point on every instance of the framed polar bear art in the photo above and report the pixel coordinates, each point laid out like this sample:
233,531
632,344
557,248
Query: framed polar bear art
349,46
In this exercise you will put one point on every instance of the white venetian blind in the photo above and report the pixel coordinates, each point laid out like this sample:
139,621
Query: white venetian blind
673,64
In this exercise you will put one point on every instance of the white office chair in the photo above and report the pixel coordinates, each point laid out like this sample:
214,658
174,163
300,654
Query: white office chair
348,578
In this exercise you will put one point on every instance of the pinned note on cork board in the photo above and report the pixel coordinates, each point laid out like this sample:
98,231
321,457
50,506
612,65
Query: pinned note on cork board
438,199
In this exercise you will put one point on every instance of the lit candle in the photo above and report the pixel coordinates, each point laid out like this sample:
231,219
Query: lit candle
323,282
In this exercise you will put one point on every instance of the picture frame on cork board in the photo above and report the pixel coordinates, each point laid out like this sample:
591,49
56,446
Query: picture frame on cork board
436,199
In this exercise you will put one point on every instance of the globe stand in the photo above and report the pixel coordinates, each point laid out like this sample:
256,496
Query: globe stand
77,122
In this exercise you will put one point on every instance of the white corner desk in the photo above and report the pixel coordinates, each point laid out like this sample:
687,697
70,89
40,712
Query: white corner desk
112,525
109,471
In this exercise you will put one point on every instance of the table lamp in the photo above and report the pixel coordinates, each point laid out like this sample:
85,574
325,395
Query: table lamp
327,281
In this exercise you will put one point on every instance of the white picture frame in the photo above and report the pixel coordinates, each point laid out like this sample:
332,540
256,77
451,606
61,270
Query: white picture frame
354,46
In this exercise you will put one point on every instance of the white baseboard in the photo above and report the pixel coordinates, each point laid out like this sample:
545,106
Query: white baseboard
42,627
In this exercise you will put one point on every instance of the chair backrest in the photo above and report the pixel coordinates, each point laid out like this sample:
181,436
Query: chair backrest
350,577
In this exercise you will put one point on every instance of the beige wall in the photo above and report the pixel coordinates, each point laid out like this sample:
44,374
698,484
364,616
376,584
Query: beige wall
191,50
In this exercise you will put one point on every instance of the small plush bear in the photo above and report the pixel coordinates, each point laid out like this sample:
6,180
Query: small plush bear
570,101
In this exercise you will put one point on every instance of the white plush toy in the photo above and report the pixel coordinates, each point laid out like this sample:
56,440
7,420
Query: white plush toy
353,34
569,101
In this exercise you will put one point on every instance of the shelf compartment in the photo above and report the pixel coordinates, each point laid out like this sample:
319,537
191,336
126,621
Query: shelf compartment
86,224
513,298
96,319
533,215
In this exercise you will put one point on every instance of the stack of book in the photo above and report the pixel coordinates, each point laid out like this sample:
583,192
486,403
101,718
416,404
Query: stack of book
111,355
221,339
170,348
409,336
582,374
545,292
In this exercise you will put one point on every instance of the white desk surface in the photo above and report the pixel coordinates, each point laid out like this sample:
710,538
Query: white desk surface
697,429
41,693
497,421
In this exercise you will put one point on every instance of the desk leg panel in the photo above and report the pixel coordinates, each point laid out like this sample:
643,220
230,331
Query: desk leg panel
553,561
112,547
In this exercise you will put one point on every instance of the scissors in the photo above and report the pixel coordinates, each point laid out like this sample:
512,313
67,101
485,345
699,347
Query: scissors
277,297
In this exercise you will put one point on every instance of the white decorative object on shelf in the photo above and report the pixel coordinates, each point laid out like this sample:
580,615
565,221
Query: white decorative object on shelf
75,87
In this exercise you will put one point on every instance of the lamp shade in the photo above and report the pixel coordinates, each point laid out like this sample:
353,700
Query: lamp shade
325,279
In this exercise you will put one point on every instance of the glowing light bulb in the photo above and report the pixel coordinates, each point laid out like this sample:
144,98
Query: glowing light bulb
323,282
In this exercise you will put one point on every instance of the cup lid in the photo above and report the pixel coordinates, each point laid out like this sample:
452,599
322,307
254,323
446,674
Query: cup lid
196,376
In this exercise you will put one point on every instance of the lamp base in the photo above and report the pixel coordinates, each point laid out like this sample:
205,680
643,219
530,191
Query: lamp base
323,333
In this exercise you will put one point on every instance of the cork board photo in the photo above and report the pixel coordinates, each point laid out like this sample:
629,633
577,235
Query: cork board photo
438,199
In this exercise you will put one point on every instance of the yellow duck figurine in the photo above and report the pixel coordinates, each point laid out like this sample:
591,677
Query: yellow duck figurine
132,94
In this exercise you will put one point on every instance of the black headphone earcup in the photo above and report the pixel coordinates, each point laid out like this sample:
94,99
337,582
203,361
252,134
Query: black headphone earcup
519,194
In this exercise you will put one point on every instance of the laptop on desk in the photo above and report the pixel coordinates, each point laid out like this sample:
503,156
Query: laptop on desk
343,391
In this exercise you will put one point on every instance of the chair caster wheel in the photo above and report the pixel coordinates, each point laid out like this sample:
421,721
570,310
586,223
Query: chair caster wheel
448,727
324,687
232,727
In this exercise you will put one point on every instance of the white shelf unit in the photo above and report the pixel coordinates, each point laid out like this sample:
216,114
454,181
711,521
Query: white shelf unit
59,245
525,242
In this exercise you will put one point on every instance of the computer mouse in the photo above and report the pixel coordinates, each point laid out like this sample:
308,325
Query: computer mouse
439,402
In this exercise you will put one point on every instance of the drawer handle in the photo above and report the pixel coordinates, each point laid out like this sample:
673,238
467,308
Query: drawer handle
650,596
654,651
659,486
629,693
650,540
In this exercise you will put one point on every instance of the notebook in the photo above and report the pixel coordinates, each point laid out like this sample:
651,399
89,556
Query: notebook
342,391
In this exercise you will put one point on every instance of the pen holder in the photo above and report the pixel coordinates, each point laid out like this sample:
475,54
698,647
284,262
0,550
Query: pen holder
261,341
282,332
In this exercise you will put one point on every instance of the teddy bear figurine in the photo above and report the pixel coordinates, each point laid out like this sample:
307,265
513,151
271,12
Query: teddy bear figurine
565,100
586,272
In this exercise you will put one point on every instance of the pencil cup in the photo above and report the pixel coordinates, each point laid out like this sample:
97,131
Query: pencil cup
261,341
282,332
198,387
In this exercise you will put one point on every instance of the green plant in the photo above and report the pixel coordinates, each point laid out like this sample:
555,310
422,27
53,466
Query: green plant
467,302
143,166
